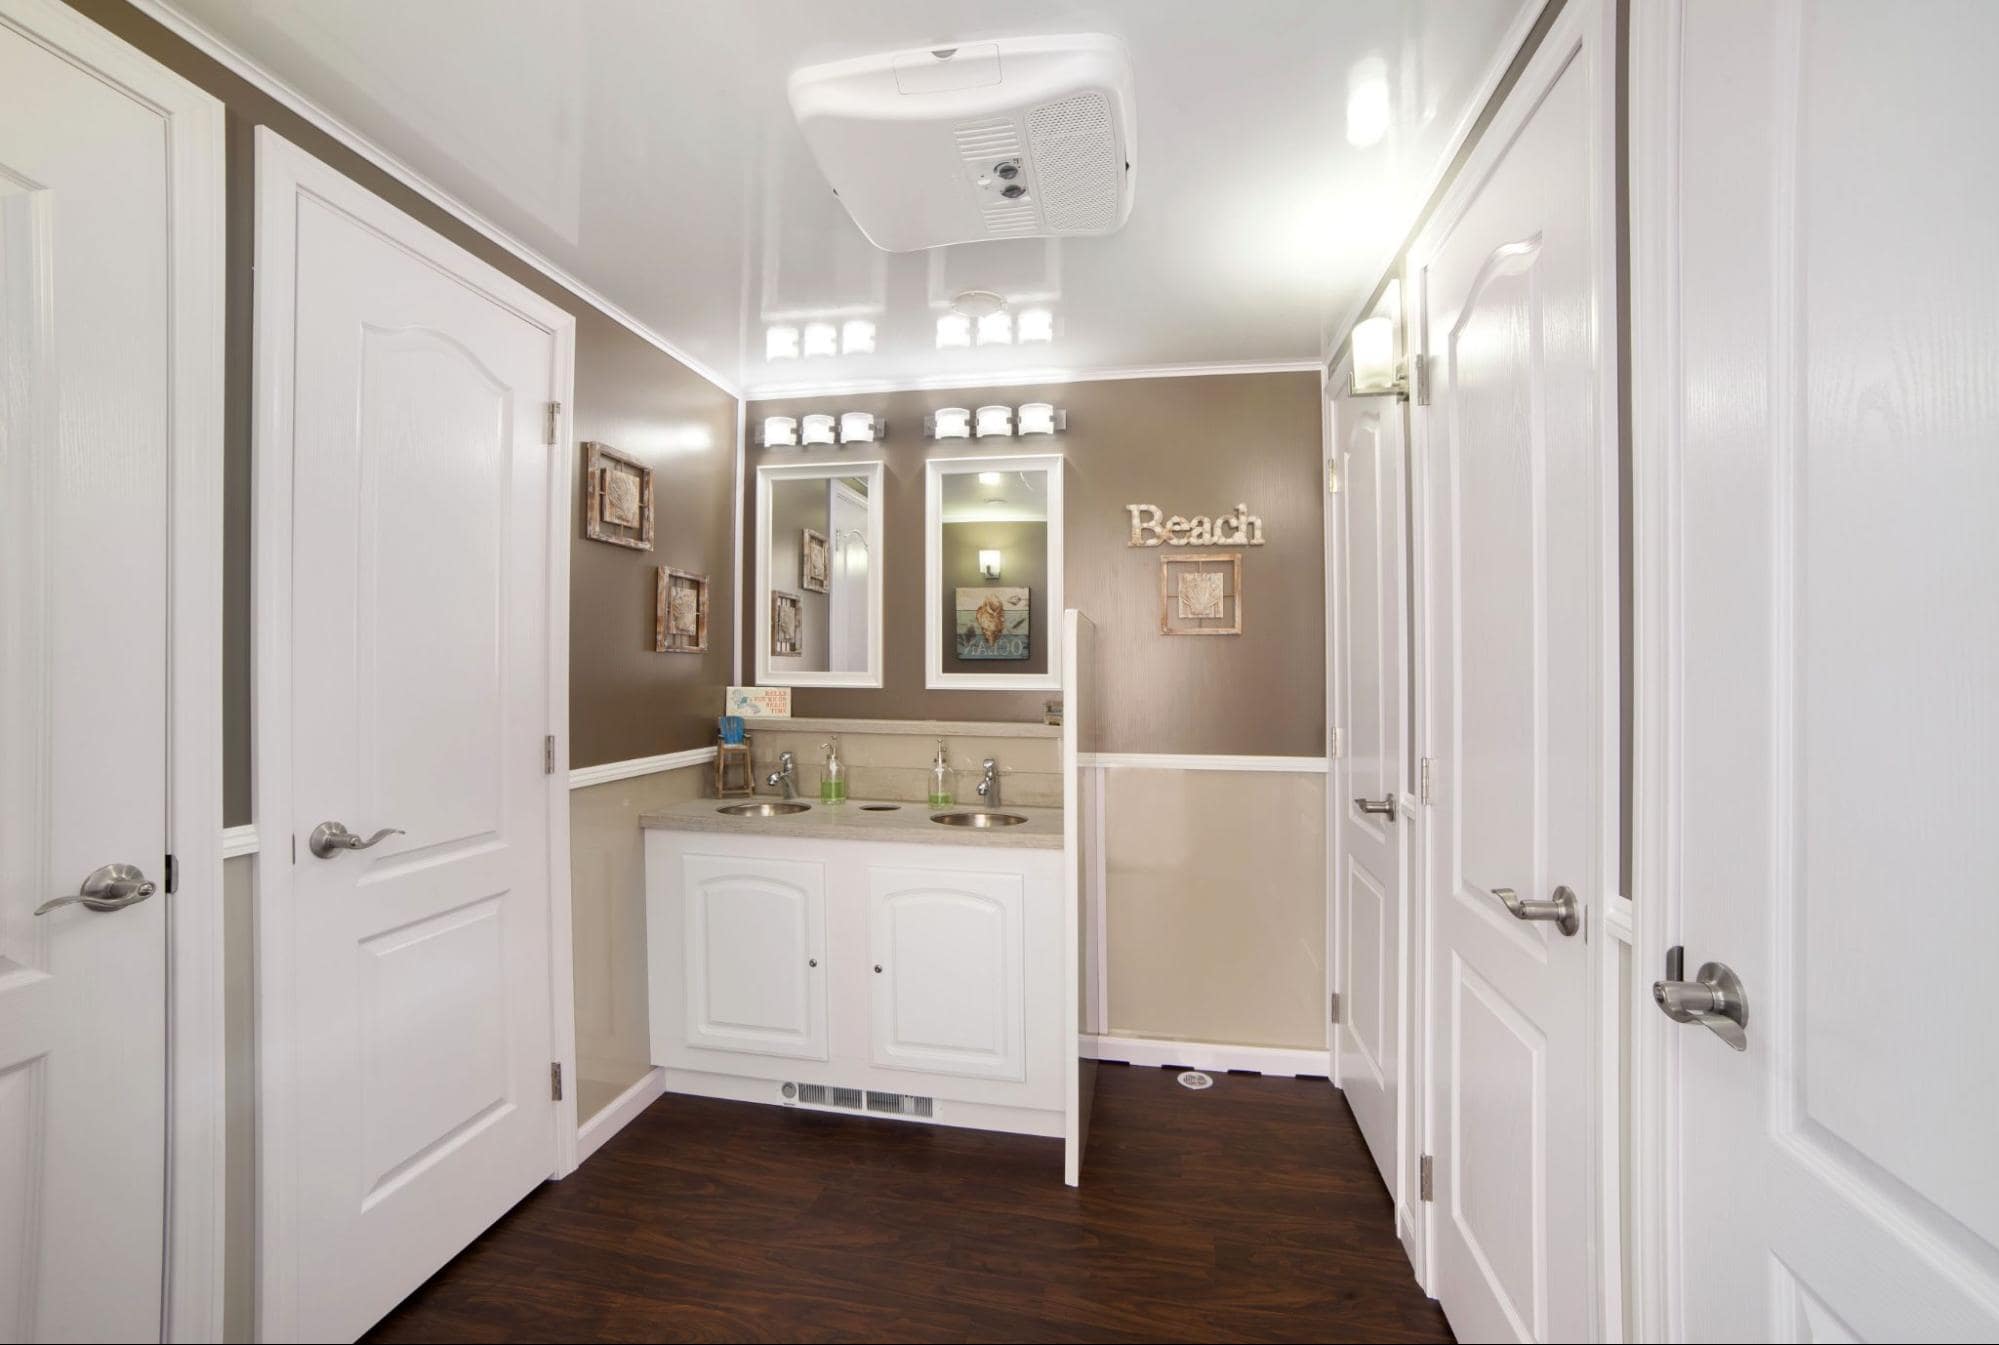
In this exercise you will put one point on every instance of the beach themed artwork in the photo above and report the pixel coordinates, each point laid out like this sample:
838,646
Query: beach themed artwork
992,623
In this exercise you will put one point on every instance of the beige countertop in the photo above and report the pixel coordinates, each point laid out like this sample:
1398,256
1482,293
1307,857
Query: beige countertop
855,820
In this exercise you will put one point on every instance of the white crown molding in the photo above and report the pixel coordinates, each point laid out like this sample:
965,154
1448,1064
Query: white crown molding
1218,1057
1168,761
239,841
191,32
1025,378
585,776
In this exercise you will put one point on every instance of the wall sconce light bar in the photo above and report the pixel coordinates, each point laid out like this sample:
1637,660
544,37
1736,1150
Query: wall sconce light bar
948,422
994,421
989,564
862,427
778,432
816,429
1042,418
1375,370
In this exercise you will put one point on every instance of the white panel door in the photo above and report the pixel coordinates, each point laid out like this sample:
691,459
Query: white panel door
94,321
1816,307
753,956
1518,711
1370,644
950,987
405,987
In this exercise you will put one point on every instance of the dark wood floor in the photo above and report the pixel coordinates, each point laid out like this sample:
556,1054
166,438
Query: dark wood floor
1247,1212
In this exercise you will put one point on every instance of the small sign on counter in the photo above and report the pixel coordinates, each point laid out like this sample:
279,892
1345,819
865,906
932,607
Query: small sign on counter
758,702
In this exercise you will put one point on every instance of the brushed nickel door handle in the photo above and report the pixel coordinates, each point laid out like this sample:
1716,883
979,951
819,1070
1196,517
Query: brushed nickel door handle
1383,806
330,838
110,888
1714,998
1563,909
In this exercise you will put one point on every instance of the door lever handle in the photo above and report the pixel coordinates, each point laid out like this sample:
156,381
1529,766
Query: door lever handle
110,888
1563,908
1383,806
330,838
1714,998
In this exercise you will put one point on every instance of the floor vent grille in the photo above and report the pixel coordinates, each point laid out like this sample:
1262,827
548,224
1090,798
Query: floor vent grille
855,1099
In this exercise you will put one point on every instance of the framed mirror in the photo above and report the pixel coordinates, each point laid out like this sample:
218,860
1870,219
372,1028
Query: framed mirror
818,575
993,572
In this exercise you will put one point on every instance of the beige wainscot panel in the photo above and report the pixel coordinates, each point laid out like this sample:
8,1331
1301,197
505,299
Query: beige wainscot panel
608,916
1215,905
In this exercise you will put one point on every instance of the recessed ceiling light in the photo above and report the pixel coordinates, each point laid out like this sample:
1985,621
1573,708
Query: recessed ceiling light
977,303
821,338
1034,324
780,343
953,329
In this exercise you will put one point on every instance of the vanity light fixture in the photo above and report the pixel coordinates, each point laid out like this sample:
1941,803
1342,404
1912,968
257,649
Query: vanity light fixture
989,564
780,343
1042,418
821,338
995,421
779,432
991,478
996,329
816,429
857,337
861,427
948,422
1034,324
953,330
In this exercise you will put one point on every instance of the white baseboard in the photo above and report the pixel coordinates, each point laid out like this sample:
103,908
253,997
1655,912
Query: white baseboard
590,1136
1207,1055
1171,761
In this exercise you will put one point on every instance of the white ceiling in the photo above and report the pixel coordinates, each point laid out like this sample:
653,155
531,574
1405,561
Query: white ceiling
646,148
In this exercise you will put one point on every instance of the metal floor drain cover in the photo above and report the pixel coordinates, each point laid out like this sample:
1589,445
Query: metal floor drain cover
1196,1080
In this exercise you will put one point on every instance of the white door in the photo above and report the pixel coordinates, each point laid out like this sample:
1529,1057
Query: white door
1370,644
847,585
950,987
96,314
753,956
405,991
1518,711
1816,347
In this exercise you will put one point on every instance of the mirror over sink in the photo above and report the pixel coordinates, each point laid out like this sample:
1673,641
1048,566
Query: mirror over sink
819,575
993,572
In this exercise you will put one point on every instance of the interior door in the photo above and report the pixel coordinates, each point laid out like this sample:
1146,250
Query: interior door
847,585
949,971
1371,692
405,981
1518,457
91,309
753,956
1815,380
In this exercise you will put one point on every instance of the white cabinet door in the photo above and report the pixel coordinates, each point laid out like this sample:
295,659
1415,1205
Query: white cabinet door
949,978
753,954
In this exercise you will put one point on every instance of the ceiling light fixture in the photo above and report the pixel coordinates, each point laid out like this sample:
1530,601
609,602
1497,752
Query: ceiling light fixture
953,330
857,337
780,343
1034,324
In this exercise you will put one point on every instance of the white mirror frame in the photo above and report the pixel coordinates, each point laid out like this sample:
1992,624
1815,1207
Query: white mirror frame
935,678
871,471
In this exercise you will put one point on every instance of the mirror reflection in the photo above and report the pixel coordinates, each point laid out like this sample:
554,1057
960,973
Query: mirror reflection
820,586
995,551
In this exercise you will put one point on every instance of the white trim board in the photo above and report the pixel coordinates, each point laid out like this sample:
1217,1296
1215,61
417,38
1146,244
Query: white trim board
1157,1052
1171,761
1023,378
188,30
620,1112
239,841
585,776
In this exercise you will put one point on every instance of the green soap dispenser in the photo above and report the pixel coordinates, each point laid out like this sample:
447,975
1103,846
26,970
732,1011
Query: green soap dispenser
833,778
940,780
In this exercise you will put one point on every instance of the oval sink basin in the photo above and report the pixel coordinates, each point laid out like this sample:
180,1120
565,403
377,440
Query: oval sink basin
977,819
772,809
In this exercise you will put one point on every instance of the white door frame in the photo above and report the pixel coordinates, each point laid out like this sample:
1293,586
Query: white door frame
1580,21
284,173
193,125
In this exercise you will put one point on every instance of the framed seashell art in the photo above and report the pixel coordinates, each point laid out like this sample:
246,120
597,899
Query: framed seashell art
1201,594
680,612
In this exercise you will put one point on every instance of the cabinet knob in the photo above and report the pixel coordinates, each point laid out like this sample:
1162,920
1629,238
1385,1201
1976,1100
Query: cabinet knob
811,961
878,968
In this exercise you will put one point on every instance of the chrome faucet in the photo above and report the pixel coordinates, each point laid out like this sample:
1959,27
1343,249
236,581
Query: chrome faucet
782,775
989,783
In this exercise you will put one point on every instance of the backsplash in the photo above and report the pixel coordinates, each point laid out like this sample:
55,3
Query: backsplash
894,764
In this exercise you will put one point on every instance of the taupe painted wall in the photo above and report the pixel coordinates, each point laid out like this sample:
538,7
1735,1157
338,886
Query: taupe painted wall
1190,445
625,700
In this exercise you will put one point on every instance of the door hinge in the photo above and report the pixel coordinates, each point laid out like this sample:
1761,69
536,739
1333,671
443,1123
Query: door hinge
1332,478
555,1081
1333,743
173,876
554,422
1423,780
1335,1006
1424,1190
1419,380
548,755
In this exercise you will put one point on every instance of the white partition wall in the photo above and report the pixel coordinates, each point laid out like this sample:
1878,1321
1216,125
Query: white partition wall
1079,787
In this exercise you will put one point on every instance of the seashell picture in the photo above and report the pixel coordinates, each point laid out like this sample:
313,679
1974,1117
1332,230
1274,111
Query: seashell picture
992,623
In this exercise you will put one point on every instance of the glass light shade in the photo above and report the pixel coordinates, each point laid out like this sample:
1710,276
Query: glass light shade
953,329
857,337
1037,418
996,329
780,343
989,564
1373,348
951,422
817,429
821,338
995,420
780,431
858,427
1034,324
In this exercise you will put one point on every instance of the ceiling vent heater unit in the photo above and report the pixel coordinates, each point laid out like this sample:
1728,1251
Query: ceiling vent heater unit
1027,137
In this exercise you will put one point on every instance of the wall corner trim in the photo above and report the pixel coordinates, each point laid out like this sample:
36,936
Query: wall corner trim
1158,1053
585,776
183,26
1169,761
